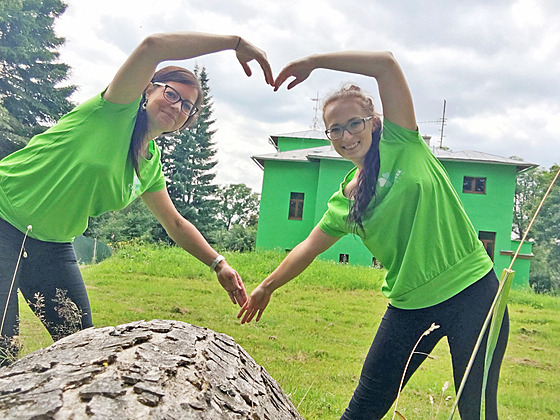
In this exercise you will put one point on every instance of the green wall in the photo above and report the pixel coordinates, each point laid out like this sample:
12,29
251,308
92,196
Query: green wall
281,178
493,211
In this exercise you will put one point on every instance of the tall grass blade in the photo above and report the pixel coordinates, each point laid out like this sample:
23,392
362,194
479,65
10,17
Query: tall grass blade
497,299
494,332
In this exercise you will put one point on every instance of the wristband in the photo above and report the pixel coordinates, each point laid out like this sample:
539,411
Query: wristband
238,42
216,261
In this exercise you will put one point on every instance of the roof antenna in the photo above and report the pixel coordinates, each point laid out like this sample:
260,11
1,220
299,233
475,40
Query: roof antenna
442,120
315,123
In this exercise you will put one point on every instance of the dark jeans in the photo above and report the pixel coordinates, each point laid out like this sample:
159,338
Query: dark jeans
49,279
460,319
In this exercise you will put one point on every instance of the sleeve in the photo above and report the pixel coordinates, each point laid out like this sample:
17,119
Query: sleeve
395,133
333,222
158,183
156,177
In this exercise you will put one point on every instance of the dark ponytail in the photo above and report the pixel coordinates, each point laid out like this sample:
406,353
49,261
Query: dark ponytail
364,192
166,74
138,134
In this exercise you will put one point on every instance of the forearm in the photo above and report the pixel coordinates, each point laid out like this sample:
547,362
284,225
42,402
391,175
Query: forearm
299,259
188,237
376,64
293,265
136,72
185,45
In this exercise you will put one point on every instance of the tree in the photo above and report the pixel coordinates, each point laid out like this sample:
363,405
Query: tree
135,221
526,193
238,205
30,73
531,187
188,159
10,141
238,238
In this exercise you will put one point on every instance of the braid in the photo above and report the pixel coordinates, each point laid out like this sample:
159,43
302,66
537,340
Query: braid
364,192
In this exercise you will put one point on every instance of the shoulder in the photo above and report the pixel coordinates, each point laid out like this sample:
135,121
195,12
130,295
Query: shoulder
395,133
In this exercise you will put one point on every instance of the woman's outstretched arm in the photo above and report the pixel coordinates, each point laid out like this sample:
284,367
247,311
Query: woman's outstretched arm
136,72
188,237
295,262
393,88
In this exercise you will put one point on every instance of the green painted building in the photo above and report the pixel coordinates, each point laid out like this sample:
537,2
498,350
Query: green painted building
305,171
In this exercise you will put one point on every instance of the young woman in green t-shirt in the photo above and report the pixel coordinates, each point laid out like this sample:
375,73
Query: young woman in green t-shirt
413,222
99,157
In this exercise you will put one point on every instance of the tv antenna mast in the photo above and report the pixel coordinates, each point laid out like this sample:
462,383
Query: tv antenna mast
315,123
442,120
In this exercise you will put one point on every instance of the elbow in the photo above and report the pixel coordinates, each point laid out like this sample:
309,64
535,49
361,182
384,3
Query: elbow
176,226
389,57
152,44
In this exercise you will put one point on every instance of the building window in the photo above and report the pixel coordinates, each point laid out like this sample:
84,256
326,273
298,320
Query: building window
488,239
343,258
296,206
473,185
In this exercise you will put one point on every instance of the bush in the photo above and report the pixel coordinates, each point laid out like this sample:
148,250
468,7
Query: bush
238,238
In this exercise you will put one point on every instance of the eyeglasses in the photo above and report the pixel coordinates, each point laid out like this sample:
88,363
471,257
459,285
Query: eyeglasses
172,96
353,126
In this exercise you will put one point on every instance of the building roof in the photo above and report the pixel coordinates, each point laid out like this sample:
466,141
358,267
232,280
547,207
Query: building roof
308,134
328,152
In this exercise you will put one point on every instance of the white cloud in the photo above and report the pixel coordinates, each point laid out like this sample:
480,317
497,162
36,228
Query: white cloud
496,64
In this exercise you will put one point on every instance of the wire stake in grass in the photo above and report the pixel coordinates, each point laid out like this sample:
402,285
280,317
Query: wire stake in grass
433,327
21,252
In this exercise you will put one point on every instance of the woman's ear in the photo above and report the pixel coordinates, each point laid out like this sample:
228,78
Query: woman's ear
149,89
376,123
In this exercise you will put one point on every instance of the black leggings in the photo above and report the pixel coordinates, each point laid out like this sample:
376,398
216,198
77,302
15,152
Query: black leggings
460,319
49,279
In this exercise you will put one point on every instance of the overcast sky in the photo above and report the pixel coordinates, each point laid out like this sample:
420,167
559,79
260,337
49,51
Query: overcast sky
497,63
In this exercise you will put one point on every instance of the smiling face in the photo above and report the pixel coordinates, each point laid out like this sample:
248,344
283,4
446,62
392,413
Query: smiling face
353,147
164,116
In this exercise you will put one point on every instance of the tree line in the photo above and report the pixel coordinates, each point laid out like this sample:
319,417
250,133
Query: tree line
34,93
545,232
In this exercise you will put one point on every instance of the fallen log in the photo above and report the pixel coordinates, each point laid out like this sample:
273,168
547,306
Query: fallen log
143,370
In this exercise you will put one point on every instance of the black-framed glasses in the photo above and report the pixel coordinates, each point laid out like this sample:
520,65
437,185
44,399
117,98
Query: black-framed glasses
353,126
172,96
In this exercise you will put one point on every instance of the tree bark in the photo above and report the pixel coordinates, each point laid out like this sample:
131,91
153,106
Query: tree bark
143,370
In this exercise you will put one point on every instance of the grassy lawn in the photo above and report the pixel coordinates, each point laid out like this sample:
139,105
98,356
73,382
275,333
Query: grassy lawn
317,330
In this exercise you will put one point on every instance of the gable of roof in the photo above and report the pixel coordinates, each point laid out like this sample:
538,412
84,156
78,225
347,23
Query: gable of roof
328,152
308,134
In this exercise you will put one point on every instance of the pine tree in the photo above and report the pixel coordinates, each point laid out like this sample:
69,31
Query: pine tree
188,159
30,72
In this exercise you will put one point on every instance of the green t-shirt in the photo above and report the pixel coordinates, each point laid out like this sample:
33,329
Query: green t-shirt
416,225
78,168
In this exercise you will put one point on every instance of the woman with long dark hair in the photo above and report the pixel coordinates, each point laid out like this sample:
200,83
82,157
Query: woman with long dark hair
100,157
398,199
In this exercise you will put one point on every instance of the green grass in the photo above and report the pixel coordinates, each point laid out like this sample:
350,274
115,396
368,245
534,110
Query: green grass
315,333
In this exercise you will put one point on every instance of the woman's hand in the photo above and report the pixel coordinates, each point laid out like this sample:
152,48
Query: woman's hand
255,305
232,283
300,69
247,52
